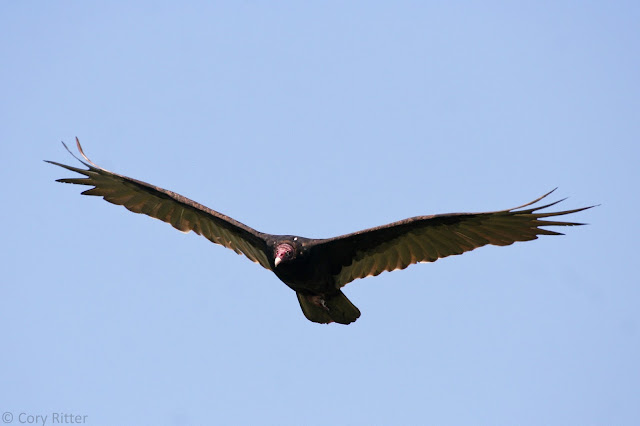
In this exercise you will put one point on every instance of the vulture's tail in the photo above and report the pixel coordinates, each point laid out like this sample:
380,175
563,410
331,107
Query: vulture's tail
336,308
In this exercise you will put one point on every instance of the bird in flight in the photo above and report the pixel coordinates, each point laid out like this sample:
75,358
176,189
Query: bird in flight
317,269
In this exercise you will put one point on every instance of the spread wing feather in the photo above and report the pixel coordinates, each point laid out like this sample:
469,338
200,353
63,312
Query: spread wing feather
429,238
182,213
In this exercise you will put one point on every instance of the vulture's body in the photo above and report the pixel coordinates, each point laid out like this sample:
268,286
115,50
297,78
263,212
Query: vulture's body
317,269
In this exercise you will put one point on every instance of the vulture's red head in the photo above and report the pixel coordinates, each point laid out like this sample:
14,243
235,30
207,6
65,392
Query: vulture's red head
284,252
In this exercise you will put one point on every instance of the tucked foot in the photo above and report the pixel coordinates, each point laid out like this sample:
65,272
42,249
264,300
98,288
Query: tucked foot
318,300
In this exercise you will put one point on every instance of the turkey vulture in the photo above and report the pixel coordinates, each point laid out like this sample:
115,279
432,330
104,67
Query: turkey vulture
316,269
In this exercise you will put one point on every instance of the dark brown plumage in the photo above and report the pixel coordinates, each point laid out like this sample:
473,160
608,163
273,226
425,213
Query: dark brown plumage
316,269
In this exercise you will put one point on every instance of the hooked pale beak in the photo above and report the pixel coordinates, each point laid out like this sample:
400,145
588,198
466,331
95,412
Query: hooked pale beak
277,261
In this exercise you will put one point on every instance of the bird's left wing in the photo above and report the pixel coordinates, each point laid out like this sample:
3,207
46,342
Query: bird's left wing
429,238
182,213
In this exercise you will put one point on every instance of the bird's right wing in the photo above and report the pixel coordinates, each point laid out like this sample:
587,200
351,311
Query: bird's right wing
182,213
429,238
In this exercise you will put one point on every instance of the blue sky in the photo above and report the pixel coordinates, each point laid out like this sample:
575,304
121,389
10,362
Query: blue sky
319,119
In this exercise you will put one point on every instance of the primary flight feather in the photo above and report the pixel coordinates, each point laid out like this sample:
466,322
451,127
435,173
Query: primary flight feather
316,269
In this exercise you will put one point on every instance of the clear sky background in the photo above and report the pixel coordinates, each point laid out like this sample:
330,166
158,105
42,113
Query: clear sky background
319,119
